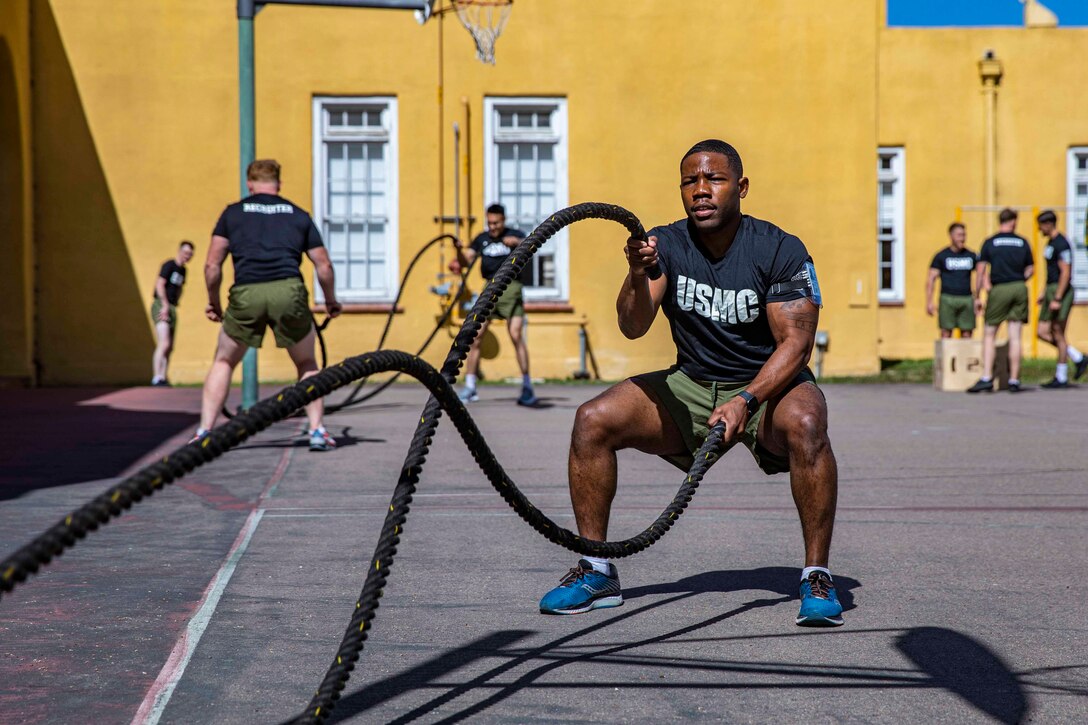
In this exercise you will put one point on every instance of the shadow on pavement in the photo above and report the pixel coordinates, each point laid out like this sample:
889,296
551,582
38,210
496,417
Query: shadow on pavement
56,437
781,580
945,659
965,667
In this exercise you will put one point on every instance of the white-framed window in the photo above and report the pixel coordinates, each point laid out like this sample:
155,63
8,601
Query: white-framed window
890,214
1077,203
525,153
355,193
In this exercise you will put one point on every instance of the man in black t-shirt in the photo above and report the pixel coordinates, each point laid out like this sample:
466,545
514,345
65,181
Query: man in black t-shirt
493,247
1004,266
743,303
164,310
266,236
954,265
1056,302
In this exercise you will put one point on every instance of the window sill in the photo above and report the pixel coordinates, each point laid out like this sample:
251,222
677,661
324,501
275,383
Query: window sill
361,308
892,303
548,307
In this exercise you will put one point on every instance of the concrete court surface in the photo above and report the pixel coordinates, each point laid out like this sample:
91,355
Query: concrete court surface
960,552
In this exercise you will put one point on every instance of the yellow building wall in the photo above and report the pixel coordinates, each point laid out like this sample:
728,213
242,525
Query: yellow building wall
138,110
16,197
931,103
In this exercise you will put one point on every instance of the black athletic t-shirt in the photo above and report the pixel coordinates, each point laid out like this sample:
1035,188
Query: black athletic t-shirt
174,274
1058,250
956,269
717,308
493,252
1008,256
268,236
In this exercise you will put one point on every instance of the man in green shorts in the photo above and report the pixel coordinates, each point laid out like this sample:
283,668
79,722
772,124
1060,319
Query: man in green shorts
1004,266
1057,301
743,303
493,247
266,236
954,265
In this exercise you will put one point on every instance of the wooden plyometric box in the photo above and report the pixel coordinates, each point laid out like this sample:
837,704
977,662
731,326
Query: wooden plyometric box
957,364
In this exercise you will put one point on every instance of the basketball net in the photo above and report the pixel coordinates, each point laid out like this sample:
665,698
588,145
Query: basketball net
485,19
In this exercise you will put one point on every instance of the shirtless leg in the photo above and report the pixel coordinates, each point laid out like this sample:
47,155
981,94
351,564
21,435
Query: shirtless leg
624,416
795,425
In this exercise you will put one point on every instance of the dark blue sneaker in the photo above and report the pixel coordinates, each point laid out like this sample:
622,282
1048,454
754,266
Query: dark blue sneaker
819,604
583,589
528,398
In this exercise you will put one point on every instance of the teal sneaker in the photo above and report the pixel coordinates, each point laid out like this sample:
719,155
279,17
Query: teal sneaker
819,604
583,589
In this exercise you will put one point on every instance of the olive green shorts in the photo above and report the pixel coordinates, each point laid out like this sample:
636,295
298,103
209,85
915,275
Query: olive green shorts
1007,301
282,305
510,305
690,402
1046,314
156,307
956,312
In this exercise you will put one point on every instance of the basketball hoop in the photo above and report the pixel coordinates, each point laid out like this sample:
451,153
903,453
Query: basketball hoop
485,19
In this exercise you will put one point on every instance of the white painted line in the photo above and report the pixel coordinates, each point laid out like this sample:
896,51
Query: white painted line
158,696
162,688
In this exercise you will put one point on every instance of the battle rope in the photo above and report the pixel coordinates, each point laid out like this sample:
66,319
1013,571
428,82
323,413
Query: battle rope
63,535
351,399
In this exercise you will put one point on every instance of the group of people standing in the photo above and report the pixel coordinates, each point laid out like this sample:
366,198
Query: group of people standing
1001,269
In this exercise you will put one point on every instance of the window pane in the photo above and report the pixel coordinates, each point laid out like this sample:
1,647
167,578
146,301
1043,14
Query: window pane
886,278
886,162
506,119
886,252
544,120
523,120
887,188
337,239
1082,189
1082,161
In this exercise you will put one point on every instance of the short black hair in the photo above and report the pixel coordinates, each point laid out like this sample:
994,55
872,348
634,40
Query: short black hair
496,209
186,243
1047,217
1007,215
953,225
716,146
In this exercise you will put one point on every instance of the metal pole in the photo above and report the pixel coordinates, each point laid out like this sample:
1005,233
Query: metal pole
247,148
456,181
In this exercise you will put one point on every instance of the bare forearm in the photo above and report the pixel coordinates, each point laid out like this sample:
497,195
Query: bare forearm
1063,281
213,278
635,306
327,279
929,290
782,367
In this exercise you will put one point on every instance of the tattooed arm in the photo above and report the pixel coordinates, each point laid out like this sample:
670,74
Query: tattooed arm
793,325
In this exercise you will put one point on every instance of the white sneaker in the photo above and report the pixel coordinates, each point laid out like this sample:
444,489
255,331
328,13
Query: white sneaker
468,395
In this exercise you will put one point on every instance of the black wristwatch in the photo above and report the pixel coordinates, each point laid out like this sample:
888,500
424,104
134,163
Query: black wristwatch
750,402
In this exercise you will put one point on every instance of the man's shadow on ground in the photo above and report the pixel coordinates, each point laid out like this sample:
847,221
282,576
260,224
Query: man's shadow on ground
944,659
344,439
781,580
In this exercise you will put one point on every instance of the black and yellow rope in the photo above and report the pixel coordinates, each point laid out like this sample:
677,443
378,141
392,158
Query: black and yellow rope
63,535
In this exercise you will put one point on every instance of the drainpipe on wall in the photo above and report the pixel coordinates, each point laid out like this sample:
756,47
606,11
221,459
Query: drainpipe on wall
990,72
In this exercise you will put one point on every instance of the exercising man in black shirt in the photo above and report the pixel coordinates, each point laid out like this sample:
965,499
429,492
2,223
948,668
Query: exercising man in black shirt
164,310
266,236
1056,301
493,247
743,304
954,265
